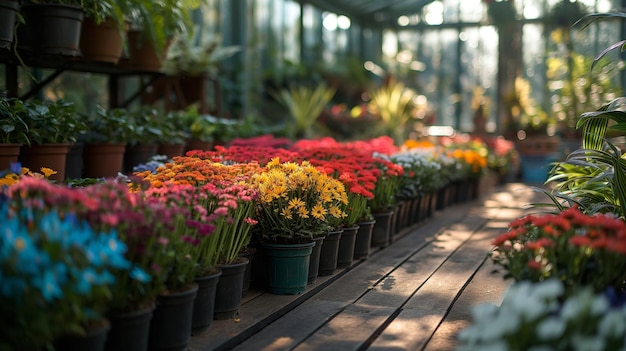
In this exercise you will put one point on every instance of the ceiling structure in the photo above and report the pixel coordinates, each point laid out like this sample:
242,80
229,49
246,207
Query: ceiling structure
383,13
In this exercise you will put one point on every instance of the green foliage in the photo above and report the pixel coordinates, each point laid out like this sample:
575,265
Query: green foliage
196,54
304,105
109,126
13,128
49,123
394,103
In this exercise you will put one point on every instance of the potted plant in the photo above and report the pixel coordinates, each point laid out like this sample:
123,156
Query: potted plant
304,105
13,131
53,129
108,132
191,59
64,296
174,136
8,18
291,215
153,26
394,104
200,129
51,27
144,140
103,31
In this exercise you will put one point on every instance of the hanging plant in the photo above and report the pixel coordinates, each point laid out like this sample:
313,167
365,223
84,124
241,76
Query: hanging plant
565,13
501,13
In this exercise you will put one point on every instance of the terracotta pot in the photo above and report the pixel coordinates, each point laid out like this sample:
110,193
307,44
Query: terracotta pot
171,150
101,42
8,153
53,156
103,159
141,53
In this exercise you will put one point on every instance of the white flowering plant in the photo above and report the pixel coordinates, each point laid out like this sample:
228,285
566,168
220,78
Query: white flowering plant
537,316
421,172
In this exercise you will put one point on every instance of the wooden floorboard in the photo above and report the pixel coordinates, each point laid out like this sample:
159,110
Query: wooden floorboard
415,294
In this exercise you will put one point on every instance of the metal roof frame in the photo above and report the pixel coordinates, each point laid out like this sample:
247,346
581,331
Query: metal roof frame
374,13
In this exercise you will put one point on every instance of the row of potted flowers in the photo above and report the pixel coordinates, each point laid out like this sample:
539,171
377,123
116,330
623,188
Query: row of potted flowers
190,218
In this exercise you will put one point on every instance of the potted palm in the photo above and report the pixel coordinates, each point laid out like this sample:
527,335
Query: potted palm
53,129
13,131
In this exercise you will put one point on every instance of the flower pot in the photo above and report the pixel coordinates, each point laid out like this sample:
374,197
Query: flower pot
51,29
137,154
9,153
170,327
314,262
204,303
248,252
535,168
141,53
382,229
199,145
53,156
93,340
363,240
74,164
171,150
8,11
101,42
259,274
328,254
129,330
345,254
228,290
288,267
103,159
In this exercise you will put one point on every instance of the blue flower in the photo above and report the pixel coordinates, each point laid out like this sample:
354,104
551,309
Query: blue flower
15,167
48,286
85,279
139,274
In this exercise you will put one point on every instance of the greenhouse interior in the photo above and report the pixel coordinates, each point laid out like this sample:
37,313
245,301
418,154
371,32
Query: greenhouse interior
312,175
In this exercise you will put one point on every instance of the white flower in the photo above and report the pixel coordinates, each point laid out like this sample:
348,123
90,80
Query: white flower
613,324
551,328
582,343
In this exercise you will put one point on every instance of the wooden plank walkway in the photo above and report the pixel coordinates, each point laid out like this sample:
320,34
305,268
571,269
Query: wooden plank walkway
414,294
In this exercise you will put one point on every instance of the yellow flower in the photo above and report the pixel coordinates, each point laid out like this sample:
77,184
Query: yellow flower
303,212
286,213
337,212
47,172
297,203
318,211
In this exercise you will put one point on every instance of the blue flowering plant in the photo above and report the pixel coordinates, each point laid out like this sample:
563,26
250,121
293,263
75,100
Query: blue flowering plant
56,272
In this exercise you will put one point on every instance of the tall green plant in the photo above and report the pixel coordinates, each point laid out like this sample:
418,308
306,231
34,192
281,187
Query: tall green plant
304,104
394,104
594,177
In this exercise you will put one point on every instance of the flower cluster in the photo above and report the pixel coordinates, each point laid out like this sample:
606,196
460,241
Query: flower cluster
539,316
216,194
421,172
297,201
579,249
349,167
56,273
